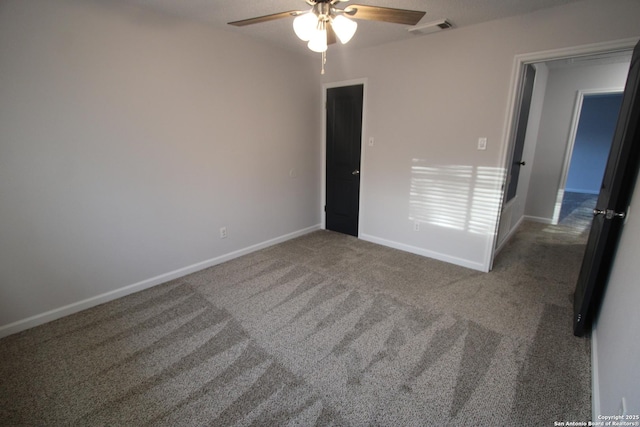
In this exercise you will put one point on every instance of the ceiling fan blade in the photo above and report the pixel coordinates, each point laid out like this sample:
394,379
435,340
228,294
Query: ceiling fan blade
384,14
331,35
265,18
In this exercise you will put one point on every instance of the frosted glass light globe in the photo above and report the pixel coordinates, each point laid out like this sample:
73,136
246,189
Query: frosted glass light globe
344,28
318,42
305,26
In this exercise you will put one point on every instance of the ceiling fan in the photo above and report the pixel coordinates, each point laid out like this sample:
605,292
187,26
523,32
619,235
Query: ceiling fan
321,25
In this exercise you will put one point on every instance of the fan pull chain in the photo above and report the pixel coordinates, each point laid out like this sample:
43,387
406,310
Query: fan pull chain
324,61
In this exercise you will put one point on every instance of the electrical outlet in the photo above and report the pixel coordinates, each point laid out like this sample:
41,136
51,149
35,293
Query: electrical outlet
416,226
223,232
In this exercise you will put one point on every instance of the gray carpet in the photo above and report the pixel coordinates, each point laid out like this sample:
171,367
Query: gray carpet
577,205
322,330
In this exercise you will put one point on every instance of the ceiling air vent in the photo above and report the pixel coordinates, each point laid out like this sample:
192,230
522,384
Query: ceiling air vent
431,27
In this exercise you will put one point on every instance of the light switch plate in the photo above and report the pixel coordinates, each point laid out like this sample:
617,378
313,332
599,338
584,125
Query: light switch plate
482,143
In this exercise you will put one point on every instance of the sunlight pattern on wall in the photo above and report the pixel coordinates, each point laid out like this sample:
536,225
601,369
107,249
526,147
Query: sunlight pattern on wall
460,197
485,203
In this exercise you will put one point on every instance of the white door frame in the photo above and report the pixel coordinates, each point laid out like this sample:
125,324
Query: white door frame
323,186
519,63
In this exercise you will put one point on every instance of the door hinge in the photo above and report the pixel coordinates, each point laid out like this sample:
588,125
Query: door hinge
325,208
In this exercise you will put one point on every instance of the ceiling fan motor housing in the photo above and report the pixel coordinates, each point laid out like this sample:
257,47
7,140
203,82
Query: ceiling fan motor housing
322,10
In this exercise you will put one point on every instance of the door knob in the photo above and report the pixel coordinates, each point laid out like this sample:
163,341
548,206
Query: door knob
609,213
355,172
521,163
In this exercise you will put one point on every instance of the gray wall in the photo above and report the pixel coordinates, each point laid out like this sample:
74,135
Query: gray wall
127,139
563,85
616,340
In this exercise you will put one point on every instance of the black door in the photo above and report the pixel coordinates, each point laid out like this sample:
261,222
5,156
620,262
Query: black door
344,134
615,194
521,130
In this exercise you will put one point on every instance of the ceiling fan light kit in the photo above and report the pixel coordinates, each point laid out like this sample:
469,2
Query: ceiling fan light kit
321,25
312,26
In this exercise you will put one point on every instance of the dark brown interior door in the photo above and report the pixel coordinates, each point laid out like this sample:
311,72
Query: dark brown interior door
615,194
344,136
521,131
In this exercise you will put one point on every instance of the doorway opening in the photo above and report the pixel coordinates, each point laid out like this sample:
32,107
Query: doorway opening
552,123
343,130
594,123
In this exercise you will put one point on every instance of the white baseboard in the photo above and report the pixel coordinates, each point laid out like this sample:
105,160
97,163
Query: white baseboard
548,221
39,319
424,252
595,381
581,191
509,235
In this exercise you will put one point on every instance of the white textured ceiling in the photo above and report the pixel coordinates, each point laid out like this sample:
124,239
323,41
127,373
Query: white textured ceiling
280,32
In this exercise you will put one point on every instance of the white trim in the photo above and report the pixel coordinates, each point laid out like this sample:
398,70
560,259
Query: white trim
508,131
568,153
509,235
519,62
323,178
507,210
575,51
580,190
595,378
75,307
424,252
558,206
548,221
